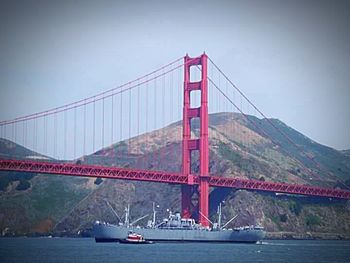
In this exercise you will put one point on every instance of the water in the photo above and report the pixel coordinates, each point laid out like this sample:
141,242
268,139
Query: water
86,250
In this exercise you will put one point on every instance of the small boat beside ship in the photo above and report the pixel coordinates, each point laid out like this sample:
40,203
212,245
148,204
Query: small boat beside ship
134,238
177,229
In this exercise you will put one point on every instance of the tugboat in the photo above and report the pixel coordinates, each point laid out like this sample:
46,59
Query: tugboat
134,238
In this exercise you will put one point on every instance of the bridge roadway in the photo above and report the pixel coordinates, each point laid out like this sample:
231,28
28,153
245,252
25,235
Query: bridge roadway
71,169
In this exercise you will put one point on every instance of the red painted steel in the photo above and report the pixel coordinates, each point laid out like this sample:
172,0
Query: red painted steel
186,190
165,177
92,171
297,189
204,147
201,144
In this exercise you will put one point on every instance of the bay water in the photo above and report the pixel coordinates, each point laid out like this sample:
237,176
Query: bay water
86,250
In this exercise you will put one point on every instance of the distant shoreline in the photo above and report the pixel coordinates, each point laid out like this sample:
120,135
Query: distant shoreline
306,236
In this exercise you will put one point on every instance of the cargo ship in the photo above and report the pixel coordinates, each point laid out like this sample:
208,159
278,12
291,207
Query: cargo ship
177,229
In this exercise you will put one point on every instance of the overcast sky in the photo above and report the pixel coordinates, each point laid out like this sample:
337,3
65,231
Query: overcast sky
292,58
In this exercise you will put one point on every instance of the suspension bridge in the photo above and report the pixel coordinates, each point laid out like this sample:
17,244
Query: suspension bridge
126,117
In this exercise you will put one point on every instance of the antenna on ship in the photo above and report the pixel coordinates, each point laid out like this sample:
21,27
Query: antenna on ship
154,213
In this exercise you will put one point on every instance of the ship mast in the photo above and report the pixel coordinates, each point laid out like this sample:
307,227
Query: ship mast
127,212
154,214
219,213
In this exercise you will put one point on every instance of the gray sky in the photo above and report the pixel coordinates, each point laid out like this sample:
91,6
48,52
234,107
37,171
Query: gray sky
290,57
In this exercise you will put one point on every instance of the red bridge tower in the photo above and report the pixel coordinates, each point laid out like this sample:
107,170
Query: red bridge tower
190,144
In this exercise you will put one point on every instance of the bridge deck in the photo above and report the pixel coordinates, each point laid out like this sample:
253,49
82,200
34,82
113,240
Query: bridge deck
71,169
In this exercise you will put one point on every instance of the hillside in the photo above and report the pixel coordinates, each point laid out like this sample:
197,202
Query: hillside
237,148
9,149
334,163
30,203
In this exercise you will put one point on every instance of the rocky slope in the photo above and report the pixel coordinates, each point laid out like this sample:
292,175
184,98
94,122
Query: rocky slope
237,148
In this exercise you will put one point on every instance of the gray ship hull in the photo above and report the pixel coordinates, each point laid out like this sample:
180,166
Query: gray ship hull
105,232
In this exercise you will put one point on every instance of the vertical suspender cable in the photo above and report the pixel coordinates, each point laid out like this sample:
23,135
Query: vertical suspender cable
147,134
129,140
171,97
23,133
84,131
55,136
15,132
45,134
179,86
12,132
93,128
218,97
138,148
112,122
75,132
65,135
121,117
121,124
35,134
33,142
232,110
26,133
162,149
103,123
155,102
